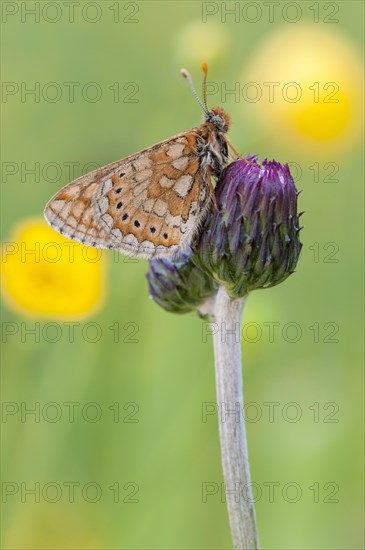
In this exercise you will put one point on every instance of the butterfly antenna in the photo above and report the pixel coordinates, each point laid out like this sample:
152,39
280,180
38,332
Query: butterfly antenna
186,75
205,70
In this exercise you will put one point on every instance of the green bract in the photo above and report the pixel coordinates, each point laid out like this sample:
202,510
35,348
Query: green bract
179,286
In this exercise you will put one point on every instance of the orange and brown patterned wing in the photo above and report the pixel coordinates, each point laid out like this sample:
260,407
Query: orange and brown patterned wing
71,211
148,204
155,202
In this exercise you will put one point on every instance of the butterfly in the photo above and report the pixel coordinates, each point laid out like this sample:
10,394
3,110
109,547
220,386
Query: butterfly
151,203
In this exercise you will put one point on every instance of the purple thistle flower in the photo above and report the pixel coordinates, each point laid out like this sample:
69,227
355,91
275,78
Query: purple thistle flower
253,241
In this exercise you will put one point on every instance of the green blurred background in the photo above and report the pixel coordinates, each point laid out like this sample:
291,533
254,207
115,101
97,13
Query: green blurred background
162,380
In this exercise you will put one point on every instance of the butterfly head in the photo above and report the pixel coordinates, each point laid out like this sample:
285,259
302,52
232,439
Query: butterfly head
219,118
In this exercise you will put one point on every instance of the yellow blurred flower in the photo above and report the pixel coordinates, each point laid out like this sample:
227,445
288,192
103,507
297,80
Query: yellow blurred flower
45,274
202,41
311,89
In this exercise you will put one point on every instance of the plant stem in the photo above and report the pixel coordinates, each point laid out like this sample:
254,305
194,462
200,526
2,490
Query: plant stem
227,350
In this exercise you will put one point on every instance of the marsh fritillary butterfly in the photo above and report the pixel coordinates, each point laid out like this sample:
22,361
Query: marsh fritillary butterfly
149,204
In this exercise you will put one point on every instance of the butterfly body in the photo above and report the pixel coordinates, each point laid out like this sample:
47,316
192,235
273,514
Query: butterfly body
214,152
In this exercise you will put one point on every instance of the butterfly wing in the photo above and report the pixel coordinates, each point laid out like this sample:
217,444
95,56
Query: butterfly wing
148,204
71,211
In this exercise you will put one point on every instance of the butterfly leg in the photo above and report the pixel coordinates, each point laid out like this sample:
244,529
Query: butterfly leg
212,190
237,154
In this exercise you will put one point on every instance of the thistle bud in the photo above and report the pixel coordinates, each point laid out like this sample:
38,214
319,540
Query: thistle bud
253,240
179,285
